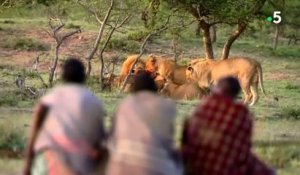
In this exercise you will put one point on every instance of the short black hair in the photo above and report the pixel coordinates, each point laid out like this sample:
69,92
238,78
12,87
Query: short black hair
143,82
232,84
73,71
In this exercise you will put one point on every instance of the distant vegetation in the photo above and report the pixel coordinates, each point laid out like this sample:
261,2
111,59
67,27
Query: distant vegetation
23,43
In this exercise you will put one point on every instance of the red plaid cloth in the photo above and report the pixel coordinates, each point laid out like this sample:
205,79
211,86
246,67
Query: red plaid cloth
217,140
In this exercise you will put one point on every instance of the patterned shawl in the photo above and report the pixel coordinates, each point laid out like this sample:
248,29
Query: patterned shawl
217,140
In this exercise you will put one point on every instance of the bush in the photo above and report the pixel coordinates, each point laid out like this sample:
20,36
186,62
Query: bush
8,22
93,82
292,87
8,100
287,52
12,141
123,44
28,44
72,26
290,113
137,35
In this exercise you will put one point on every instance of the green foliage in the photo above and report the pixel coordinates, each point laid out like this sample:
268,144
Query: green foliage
13,140
8,100
28,44
137,35
93,82
72,26
287,52
290,112
226,11
290,86
123,44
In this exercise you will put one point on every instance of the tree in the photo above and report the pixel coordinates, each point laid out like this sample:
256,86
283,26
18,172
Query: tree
59,39
111,19
209,13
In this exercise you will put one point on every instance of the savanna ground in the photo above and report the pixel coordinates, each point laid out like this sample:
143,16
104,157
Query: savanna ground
23,37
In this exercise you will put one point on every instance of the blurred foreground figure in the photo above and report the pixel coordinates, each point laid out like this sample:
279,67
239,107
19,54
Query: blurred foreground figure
217,139
67,132
142,136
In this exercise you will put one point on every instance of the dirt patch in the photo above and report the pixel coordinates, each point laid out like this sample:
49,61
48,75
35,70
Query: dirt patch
278,76
77,45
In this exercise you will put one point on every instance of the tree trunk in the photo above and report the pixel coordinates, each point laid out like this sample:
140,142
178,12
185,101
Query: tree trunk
275,40
54,65
101,72
89,67
209,53
231,39
213,34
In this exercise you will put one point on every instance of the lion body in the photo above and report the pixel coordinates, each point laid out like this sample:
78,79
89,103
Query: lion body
140,65
248,71
168,69
187,91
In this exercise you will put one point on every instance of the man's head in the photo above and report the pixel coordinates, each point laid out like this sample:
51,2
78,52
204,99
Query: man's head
143,82
228,86
73,71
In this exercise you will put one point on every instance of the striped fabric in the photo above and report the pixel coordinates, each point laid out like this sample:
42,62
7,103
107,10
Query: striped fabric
142,137
73,128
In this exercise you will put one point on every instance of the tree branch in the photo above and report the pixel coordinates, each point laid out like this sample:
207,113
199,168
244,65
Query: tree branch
98,39
100,32
104,47
95,14
70,34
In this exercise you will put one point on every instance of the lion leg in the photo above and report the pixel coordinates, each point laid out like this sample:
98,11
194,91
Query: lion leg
247,93
254,92
247,96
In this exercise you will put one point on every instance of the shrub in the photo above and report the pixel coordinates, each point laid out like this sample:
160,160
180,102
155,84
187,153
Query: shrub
28,44
287,52
123,44
292,87
8,100
8,22
93,82
137,35
13,140
290,113
72,26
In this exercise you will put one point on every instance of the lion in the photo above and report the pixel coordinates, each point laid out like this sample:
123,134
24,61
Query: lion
168,69
187,91
159,82
140,65
154,65
248,71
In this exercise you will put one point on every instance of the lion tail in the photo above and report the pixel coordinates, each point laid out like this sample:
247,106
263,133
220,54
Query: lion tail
260,79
